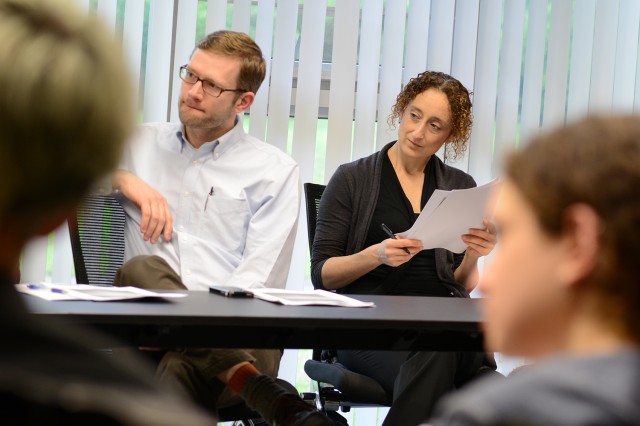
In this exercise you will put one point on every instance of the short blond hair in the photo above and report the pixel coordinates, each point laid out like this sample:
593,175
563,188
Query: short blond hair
65,106
239,45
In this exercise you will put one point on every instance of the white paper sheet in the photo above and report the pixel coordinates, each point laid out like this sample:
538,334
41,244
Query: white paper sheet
449,214
305,298
49,291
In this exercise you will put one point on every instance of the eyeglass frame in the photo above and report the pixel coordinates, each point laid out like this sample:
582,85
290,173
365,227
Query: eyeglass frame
185,68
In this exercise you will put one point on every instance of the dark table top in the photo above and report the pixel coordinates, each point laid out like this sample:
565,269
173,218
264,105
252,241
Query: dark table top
207,320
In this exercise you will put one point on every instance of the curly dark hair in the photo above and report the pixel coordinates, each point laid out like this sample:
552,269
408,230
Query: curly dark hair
459,102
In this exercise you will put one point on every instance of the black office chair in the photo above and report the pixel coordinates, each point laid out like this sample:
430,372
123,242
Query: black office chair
97,243
338,387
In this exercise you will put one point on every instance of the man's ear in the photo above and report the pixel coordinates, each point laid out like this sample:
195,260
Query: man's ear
582,229
245,101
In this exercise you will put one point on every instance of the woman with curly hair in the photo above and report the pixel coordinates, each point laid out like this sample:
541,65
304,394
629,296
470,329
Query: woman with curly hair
352,254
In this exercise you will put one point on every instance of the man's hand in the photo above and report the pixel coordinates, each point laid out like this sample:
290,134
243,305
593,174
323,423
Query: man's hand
156,215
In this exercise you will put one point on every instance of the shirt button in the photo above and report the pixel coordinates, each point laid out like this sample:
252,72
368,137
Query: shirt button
194,162
185,239
186,193
216,155
181,228
188,271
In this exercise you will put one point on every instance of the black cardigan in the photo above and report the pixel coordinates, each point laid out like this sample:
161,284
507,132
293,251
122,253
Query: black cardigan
348,203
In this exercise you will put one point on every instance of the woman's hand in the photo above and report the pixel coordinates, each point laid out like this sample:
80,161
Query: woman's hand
393,252
480,242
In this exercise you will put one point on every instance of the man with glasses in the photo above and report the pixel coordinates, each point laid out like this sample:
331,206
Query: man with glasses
206,204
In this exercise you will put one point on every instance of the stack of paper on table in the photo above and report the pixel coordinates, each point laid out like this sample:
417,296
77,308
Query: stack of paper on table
448,215
94,293
305,298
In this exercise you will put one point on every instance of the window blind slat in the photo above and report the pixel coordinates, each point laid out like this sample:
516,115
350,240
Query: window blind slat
241,18
626,56
34,260
264,37
441,41
465,38
216,15
636,99
83,4
308,87
417,40
604,56
441,35
581,57
485,87
62,268
284,44
159,52
307,100
132,40
557,64
343,83
364,133
533,70
508,95
393,32
107,11
185,41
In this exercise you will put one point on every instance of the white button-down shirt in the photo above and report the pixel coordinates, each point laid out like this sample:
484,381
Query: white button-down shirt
235,204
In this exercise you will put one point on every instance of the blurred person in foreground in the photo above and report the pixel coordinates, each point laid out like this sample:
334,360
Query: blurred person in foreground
60,79
564,285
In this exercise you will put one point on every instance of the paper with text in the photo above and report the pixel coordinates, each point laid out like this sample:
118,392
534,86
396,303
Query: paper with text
308,298
52,292
449,214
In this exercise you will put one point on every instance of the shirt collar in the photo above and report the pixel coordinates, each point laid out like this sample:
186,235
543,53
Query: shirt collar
220,145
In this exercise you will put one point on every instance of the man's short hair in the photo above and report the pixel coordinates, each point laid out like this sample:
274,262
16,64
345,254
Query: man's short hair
239,45
65,106
595,161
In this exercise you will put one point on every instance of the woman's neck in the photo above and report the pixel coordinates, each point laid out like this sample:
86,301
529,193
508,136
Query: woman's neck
406,165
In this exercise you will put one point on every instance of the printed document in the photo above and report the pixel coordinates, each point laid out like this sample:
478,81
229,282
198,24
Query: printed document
305,298
96,293
449,214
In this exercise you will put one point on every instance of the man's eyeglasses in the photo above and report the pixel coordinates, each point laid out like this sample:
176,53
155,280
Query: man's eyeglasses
209,87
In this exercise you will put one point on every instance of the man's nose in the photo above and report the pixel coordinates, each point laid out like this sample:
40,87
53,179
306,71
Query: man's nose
196,90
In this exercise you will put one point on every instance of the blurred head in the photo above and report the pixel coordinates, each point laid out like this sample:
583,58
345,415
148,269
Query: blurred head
568,217
240,46
449,92
65,108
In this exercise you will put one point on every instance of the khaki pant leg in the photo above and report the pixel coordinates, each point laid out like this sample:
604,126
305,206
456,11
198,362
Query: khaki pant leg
194,371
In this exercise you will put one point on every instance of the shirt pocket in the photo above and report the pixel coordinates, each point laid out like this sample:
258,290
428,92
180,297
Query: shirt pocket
224,223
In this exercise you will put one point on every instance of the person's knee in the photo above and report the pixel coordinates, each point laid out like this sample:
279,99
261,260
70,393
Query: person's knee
174,364
146,271
129,272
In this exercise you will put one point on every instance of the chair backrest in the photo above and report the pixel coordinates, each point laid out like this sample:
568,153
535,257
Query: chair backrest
312,194
97,239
